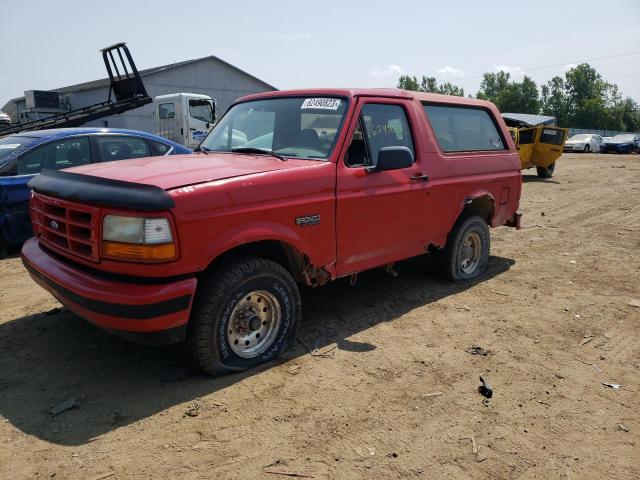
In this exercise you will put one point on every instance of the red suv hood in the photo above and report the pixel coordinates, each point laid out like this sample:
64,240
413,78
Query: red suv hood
181,170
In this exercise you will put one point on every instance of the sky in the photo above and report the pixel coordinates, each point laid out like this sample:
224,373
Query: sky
296,44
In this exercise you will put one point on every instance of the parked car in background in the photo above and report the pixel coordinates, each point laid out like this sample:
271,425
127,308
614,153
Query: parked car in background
24,155
623,143
5,120
584,142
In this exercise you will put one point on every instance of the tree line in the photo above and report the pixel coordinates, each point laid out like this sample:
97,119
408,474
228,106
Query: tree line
582,99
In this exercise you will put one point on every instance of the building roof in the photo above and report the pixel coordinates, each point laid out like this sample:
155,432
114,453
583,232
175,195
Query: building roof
104,82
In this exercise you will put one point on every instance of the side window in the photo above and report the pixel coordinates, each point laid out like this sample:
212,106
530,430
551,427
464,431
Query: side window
358,154
461,129
121,148
67,153
166,110
32,162
159,148
385,126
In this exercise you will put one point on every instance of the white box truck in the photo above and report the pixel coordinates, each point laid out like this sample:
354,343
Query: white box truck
185,118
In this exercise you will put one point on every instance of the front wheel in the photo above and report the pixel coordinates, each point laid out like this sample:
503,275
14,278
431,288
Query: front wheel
546,172
587,148
467,251
246,312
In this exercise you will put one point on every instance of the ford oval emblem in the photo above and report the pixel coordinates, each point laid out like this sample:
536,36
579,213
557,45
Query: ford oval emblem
54,224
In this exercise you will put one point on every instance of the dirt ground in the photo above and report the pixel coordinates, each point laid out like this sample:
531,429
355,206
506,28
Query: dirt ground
395,395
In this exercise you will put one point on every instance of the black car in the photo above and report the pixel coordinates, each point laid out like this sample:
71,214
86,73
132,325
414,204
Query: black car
623,143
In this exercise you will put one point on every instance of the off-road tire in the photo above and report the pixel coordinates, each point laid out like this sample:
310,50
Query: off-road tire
218,293
448,260
546,172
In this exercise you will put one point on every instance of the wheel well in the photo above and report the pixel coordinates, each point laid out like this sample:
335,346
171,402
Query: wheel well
282,253
482,206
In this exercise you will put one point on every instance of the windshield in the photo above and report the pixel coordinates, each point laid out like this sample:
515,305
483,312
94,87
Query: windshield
11,143
623,138
201,109
581,137
291,126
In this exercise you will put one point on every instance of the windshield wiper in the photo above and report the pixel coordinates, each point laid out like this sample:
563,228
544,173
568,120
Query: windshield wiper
258,150
201,149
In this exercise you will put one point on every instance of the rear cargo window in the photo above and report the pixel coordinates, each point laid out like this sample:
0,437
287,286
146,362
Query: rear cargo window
526,136
551,136
463,129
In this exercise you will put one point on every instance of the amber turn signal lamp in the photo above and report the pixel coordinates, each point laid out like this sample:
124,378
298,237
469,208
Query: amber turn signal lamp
141,253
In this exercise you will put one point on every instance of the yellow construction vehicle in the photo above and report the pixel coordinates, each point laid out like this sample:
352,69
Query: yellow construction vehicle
538,140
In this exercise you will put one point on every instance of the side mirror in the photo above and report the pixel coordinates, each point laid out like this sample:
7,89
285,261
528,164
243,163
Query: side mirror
392,158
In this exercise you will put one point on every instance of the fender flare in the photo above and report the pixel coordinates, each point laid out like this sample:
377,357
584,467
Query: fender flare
251,233
477,195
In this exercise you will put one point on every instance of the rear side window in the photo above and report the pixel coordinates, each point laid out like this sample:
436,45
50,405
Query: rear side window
159,148
122,148
461,129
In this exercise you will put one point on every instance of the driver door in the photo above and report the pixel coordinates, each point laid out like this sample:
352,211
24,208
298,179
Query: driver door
200,120
381,216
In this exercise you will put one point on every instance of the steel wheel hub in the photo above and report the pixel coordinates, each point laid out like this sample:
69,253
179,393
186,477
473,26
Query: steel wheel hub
470,253
254,324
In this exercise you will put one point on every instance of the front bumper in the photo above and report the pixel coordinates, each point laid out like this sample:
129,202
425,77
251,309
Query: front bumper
618,148
119,305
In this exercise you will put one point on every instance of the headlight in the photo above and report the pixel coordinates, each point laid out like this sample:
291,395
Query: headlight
137,238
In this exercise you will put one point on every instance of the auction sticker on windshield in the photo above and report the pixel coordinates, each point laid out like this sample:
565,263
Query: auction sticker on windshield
321,103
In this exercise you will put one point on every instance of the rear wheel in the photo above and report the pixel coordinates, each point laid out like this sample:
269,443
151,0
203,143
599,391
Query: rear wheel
246,313
546,172
467,251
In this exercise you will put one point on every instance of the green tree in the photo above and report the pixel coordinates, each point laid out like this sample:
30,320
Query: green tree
583,99
554,101
510,96
430,85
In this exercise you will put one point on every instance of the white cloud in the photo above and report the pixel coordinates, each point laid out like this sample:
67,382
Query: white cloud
289,36
513,70
388,70
454,72
569,66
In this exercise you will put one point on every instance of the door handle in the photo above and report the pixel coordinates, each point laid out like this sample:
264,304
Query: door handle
192,129
418,177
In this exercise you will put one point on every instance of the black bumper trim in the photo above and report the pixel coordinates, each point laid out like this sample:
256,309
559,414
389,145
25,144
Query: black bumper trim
135,312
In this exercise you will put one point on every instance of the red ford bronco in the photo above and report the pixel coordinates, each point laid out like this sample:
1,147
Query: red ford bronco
294,187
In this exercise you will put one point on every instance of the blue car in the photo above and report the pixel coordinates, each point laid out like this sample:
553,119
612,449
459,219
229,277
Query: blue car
23,155
623,143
